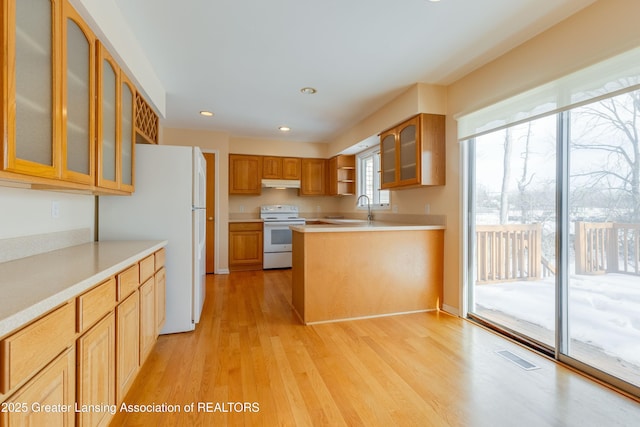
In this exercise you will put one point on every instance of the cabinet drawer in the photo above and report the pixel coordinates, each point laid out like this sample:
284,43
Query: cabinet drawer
147,268
30,349
93,305
245,226
160,258
128,281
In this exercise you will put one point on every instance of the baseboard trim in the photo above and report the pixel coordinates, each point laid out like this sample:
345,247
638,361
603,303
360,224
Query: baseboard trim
318,322
451,310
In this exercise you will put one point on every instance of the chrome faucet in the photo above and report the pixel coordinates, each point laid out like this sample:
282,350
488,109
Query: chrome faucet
369,215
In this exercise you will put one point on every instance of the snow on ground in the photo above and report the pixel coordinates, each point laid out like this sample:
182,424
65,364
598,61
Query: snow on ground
604,311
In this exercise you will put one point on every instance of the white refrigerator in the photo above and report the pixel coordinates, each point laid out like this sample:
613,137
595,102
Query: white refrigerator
168,204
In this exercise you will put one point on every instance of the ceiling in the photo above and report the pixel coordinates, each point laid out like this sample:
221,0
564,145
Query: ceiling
246,60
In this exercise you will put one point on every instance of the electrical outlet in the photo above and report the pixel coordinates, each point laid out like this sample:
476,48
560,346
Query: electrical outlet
395,208
55,209
427,208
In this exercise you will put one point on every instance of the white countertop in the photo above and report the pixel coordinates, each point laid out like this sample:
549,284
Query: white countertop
344,225
30,287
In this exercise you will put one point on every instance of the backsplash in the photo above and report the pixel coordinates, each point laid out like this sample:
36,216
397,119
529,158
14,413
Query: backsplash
22,247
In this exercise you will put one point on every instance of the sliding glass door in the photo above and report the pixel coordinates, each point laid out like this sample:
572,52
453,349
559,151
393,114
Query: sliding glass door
603,306
514,229
554,234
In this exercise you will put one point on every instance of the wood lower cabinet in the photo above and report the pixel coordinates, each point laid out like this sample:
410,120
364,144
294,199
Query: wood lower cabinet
245,174
147,318
86,352
127,344
245,246
313,181
128,281
94,304
55,386
161,298
30,349
329,283
96,376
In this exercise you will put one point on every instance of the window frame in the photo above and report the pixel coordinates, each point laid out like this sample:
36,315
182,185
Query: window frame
361,180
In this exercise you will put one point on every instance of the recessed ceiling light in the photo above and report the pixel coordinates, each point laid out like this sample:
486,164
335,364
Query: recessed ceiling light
308,90
284,128
206,113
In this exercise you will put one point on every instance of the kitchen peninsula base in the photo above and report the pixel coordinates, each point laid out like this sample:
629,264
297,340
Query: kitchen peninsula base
352,274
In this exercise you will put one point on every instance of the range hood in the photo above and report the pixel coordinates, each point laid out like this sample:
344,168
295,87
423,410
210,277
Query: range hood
281,183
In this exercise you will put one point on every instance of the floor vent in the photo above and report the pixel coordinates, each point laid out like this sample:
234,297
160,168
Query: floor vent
524,364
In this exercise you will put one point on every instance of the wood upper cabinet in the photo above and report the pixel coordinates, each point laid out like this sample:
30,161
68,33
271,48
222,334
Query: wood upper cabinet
107,161
68,112
314,177
31,94
245,173
272,167
78,97
127,136
342,175
413,153
291,168
281,167
147,122
48,111
115,125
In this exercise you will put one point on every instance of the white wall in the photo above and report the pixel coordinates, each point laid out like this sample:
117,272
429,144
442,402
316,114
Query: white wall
28,212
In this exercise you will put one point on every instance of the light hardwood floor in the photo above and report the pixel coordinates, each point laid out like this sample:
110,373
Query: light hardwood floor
428,369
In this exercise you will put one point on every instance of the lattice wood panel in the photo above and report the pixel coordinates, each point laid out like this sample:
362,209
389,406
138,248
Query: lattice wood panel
146,120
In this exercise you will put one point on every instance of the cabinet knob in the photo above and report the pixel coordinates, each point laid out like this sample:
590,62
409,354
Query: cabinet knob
210,218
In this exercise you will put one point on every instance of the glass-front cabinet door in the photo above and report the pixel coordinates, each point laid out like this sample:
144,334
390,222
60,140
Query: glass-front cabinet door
33,98
78,117
388,158
127,132
408,152
108,150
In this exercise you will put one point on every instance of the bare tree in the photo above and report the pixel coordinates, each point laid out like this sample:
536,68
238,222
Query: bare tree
506,177
611,127
525,179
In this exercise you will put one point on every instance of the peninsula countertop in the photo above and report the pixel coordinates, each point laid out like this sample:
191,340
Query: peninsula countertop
32,286
348,225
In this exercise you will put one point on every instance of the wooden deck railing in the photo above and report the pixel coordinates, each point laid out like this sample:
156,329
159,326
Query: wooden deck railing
508,252
607,247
